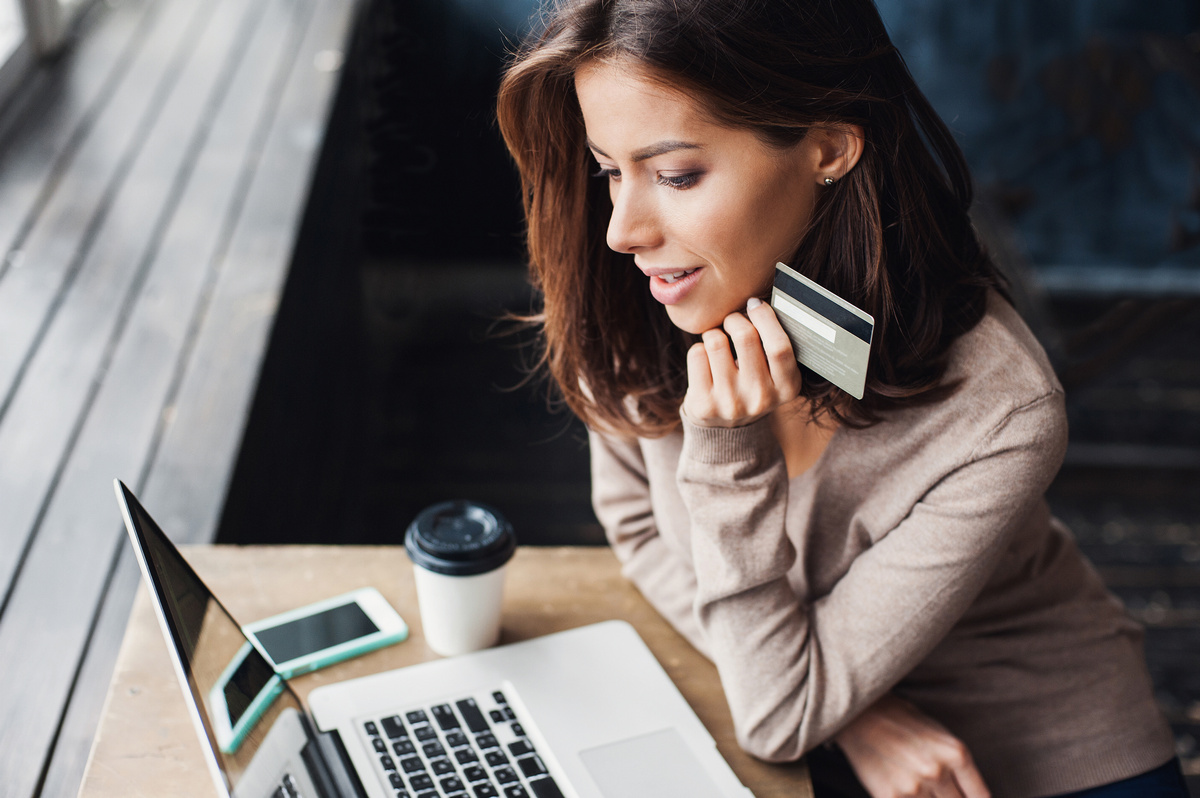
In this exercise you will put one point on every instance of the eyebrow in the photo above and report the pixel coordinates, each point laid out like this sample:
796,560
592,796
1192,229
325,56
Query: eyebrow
654,150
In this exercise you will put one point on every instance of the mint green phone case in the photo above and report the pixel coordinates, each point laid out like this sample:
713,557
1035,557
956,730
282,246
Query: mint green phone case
391,628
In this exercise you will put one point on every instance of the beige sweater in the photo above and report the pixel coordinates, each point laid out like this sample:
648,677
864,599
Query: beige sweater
917,556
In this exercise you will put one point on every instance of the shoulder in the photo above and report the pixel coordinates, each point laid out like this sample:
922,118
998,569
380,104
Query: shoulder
1001,357
999,369
1003,394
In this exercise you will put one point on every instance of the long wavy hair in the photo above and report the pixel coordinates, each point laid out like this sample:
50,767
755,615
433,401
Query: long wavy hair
892,236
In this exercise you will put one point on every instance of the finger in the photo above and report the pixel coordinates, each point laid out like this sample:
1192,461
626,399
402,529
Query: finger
777,348
751,360
970,781
724,370
699,373
946,786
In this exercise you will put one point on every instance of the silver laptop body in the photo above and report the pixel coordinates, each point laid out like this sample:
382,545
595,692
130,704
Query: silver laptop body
586,713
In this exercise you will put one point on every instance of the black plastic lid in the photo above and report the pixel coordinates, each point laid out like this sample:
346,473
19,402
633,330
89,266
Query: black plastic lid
460,538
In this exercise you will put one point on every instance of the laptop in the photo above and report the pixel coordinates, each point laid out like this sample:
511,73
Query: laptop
586,713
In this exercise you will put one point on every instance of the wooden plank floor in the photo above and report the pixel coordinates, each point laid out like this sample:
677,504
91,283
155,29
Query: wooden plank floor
152,184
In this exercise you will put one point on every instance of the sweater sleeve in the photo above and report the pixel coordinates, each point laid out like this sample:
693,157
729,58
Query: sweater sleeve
621,499
795,672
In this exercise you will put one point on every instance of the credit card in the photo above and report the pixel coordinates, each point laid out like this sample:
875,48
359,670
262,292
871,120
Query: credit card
829,335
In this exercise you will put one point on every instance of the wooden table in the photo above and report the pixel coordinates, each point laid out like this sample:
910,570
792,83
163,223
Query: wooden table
146,745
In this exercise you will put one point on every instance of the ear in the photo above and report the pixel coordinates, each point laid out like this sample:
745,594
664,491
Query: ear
837,150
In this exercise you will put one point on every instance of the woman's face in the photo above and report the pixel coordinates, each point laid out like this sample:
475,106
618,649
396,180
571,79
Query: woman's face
706,210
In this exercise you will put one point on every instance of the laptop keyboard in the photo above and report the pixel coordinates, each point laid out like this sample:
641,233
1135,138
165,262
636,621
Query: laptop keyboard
287,788
475,747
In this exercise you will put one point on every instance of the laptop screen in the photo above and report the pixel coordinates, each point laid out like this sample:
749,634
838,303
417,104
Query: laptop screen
234,689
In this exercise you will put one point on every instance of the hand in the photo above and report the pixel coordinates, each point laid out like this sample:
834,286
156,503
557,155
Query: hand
723,392
897,751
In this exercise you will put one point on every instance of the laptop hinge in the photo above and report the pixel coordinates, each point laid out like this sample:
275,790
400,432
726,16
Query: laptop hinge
330,765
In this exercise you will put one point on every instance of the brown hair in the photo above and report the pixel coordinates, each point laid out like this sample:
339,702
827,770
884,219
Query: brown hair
892,236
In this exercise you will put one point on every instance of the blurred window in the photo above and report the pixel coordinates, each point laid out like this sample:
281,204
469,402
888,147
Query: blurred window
14,46
28,29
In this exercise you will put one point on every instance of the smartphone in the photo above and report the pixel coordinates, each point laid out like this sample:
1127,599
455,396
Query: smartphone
329,631
292,643
240,696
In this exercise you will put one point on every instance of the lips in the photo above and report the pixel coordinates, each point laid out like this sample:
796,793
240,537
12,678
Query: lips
671,287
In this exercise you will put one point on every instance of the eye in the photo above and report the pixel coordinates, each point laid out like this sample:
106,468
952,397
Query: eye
604,171
680,182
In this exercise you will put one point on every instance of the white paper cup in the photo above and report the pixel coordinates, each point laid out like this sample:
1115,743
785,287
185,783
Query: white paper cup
459,551
460,613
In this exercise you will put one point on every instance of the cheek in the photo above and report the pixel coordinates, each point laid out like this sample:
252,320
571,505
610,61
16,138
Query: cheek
721,227
784,213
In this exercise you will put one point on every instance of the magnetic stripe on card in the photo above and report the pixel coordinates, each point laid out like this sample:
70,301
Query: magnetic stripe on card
823,306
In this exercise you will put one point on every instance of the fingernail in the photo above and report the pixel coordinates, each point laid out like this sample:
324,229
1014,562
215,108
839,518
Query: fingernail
752,303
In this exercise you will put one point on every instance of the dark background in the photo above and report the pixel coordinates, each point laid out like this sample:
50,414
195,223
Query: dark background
393,381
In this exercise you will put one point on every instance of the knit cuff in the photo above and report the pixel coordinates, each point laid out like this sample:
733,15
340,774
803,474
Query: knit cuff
716,445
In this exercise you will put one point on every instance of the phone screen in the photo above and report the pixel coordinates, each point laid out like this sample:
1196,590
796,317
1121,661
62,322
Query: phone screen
245,684
313,633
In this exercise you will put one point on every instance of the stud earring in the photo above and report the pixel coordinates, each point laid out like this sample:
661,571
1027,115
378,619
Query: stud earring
829,181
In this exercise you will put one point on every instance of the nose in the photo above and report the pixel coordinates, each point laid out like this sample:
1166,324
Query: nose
634,225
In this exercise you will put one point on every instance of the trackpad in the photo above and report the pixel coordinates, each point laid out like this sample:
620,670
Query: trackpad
655,765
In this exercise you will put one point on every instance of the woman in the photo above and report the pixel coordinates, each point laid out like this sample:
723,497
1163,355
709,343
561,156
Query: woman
880,576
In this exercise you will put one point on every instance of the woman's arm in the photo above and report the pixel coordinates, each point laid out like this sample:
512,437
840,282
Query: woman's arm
621,499
887,748
794,672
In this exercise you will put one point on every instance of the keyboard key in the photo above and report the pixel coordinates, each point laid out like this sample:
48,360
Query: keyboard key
442,766
520,748
380,745
457,739
404,747
444,715
401,793
499,698
278,793
518,730
485,791
371,728
497,716
289,786
476,722
417,716
424,732
430,794
397,782
505,775
509,714
387,762
496,758
451,784
531,766
474,773
394,727
545,788
515,791
412,764
433,750
465,755
421,781
486,741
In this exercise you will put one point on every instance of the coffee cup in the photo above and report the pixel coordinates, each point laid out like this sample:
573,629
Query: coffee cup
459,550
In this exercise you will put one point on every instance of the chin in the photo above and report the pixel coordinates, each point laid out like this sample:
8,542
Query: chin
694,322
